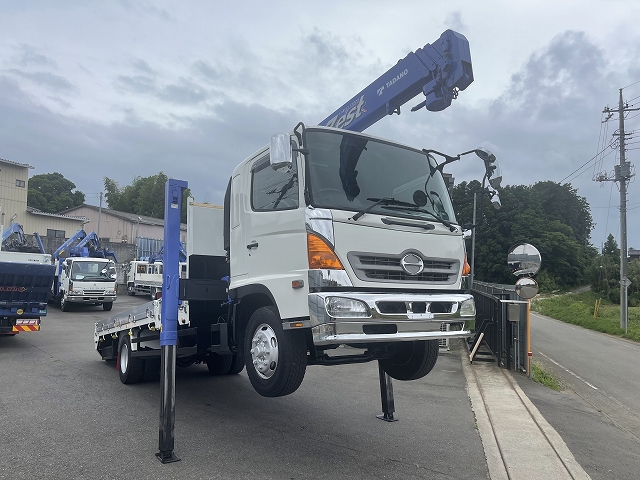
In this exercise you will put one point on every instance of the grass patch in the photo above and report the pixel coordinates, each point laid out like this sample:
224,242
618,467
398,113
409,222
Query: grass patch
541,376
577,308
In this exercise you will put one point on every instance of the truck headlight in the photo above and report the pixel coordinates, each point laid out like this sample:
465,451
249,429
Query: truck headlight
341,307
77,291
468,308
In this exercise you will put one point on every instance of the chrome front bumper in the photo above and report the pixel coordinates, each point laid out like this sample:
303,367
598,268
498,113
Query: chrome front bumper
392,318
93,298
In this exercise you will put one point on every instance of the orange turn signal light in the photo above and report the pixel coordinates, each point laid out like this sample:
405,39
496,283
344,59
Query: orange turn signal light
466,268
321,255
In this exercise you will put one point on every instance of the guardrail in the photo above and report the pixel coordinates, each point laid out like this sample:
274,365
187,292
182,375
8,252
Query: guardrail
501,325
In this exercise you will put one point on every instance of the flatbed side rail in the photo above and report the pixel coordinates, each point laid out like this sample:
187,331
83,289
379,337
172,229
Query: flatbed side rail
138,316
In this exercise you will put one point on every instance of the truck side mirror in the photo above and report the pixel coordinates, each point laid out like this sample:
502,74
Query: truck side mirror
280,153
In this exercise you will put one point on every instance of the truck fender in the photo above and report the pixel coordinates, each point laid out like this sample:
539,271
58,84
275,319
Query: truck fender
248,299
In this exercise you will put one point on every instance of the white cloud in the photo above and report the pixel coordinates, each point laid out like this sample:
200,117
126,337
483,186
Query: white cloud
137,87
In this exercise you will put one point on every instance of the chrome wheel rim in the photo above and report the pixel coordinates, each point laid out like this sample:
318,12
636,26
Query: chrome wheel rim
124,358
264,351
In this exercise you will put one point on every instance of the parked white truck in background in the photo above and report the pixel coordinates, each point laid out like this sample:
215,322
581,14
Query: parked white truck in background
84,272
85,280
145,278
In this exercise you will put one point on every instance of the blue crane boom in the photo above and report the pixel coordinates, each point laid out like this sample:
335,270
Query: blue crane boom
76,237
20,243
438,71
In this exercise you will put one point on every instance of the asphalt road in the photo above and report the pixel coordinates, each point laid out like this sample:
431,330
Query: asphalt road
64,415
598,413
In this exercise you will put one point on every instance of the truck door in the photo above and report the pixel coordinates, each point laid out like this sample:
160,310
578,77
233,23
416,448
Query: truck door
238,207
275,233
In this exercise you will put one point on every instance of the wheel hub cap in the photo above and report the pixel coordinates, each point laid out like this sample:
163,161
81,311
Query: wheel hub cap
264,351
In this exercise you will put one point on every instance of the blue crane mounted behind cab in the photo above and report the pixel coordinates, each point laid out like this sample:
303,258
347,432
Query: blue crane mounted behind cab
87,245
438,71
157,257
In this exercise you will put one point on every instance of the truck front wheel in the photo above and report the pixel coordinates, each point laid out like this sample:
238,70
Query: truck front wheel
106,306
276,359
64,304
412,360
130,368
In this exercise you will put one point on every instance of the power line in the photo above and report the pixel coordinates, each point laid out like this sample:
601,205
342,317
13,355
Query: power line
630,85
587,162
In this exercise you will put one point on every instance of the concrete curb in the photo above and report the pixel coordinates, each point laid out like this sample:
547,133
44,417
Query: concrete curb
518,442
497,468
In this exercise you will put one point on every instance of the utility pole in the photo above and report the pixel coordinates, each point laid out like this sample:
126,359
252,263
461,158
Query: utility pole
622,175
99,214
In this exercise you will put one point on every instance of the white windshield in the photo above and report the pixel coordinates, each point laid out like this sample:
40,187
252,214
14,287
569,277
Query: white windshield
98,270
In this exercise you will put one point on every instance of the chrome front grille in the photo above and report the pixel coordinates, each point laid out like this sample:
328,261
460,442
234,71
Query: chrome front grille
94,292
375,267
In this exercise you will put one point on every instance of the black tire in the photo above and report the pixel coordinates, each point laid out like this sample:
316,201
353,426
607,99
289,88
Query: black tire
151,369
412,360
219,364
237,364
107,306
64,305
130,368
276,359
131,290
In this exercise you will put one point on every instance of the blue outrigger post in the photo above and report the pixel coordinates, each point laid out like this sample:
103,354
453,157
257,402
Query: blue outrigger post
169,312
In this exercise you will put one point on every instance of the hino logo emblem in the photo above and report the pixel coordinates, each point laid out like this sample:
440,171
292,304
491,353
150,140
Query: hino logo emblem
412,264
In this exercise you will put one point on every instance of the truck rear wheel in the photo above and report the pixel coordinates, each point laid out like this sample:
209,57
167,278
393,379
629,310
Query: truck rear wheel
237,364
130,368
412,360
219,364
106,306
276,359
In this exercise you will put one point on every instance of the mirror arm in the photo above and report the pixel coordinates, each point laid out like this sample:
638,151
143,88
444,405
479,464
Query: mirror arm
447,158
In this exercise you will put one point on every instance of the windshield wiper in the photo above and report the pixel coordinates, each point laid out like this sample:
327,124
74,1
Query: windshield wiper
446,223
381,201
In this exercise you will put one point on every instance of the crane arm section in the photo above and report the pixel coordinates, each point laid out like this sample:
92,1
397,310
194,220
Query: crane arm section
94,249
438,71
14,228
79,235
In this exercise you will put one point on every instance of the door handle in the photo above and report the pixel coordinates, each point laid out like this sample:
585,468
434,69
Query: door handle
252,245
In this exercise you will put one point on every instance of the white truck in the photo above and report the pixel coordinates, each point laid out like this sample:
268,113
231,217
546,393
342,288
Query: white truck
332,247
321,271
85,272
86,280
145,278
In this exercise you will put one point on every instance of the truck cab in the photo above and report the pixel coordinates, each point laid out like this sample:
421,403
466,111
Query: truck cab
340,239
85,280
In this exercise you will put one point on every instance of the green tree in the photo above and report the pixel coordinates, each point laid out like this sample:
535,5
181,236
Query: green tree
144,196
550,216
52,193
610,248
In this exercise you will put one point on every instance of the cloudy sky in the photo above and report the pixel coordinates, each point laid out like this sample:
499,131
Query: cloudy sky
120,89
